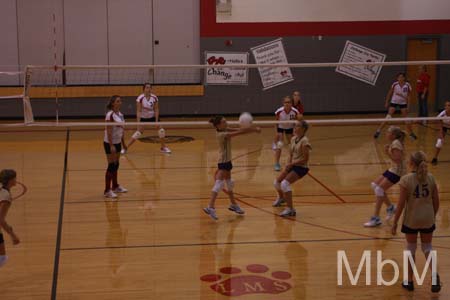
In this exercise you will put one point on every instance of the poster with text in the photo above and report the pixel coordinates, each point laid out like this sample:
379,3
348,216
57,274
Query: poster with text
356,53
272,53
223,75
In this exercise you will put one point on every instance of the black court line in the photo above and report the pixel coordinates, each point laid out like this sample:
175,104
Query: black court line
60,220
241,243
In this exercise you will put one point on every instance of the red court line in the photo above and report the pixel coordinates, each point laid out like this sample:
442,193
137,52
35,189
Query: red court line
24,190
327,188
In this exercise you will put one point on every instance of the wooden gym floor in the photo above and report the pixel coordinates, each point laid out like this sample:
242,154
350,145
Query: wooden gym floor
156,243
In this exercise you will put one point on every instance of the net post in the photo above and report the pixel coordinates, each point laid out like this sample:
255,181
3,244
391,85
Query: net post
27,110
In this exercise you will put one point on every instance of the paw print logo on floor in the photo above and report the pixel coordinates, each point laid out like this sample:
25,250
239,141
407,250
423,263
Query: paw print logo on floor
256,279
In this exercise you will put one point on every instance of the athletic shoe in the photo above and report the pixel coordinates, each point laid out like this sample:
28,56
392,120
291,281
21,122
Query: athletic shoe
165,150
110,194
120,189
435,288
377,134
413,136
434,161
373,222
277,167
408,285
278,202
236,208
390,212
123,151
3,260
211,212
288,212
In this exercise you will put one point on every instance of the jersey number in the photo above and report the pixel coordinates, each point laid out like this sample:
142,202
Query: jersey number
425,192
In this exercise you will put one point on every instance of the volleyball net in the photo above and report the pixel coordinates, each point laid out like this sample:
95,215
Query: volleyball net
218,88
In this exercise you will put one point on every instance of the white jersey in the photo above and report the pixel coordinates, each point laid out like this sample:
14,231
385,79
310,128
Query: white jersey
117,131
282,115
443,114
147,105
400,93
5,195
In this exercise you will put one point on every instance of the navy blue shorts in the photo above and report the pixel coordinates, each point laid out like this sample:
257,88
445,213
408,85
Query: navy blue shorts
445,129
227,166
398,106
2,240
287,131
147,119
394,178
408,230
107,147
300,171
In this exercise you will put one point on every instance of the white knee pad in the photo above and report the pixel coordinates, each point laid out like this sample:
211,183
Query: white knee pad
277,185
218,186
411,247
426,248
373,185
3,259
230,184
439,143
379,192
280,144
388,116
136,135
161,133
286,186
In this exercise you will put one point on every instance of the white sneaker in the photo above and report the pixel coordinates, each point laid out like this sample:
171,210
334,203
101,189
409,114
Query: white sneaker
120,189
236,208
3,260
278,202
373,222
390,212
288,212
110,194
165,150
123,151
211,212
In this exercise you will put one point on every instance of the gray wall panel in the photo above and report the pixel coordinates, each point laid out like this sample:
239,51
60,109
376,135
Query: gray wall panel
9,58
443,90
86,35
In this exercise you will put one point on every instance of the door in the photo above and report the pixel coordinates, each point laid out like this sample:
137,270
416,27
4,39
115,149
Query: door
422,49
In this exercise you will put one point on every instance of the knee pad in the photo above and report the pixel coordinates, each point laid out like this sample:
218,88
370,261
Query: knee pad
286,186
136,135
218,186
277,185
379,192
411,247
280,144
3,259
111,167
161,133
439,143
230,184
373,185
426,248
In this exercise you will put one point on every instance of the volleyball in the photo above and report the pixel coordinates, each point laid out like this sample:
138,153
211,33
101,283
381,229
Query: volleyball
245,119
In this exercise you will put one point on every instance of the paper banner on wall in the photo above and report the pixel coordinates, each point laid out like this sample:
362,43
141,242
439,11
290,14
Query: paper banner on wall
357,53
272,53
226,76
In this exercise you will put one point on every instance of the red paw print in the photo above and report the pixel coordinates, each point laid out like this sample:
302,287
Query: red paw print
232,282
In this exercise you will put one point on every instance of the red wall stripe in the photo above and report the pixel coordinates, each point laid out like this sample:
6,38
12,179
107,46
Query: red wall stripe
209,27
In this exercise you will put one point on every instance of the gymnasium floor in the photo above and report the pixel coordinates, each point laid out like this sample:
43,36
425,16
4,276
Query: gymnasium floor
155,242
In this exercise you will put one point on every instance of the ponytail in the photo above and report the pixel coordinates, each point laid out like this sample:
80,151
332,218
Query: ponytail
216,120
398,133
419,161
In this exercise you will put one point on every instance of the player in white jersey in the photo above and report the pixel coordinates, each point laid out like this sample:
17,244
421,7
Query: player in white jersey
284,130
147,110
445,126
112,143
7,180
398,97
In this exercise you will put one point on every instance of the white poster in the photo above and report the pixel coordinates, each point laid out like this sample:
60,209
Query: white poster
230,76
272,53
357,53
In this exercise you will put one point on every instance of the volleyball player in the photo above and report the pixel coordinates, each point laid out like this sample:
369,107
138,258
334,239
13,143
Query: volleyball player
147,110
297,103
398,97
8,180
296,168
445,126
284,113
224,134
112,143
419,197
396,152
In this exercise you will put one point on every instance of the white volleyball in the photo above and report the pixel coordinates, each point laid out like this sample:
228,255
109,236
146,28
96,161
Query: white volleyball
245,119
